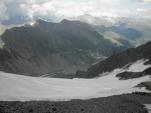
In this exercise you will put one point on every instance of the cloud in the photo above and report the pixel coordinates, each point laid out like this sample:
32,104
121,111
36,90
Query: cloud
3,15
20,11
69,8
147,0
11,11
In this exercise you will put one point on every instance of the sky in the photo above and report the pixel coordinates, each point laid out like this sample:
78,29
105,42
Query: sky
20,11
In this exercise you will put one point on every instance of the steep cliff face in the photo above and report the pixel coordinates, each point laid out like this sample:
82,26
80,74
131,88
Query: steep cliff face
49,47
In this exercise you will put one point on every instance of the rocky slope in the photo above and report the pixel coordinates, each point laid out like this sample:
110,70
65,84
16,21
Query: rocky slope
47,48
128,103
130,75
120,60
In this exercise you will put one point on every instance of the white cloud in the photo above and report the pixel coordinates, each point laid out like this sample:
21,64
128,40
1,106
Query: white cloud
70,8
57,9
147,0
3,15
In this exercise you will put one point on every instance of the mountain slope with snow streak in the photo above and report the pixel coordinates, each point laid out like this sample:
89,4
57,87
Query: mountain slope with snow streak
22,88
119,60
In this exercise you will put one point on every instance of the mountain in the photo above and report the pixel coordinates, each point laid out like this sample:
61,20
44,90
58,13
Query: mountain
120,60
121,33
53,48
137,32
120,29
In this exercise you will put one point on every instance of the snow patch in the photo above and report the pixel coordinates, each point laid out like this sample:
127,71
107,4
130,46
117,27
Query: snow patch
23,88
138,66
148,107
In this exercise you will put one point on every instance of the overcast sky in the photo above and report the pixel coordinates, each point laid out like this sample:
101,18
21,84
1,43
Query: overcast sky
19,11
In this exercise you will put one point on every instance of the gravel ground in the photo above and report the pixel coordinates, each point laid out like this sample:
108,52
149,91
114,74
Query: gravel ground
127,103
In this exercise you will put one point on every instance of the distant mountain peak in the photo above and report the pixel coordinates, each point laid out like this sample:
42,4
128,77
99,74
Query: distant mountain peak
42,22
65,21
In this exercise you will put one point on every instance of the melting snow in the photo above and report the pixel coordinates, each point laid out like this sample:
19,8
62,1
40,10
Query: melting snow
148,107
22,88
138,66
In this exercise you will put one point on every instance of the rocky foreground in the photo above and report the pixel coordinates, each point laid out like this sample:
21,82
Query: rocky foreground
127,103
135,102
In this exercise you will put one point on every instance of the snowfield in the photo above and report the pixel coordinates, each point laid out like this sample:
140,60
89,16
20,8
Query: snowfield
23,88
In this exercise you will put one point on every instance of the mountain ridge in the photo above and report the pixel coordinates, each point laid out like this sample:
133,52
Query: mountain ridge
45,47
